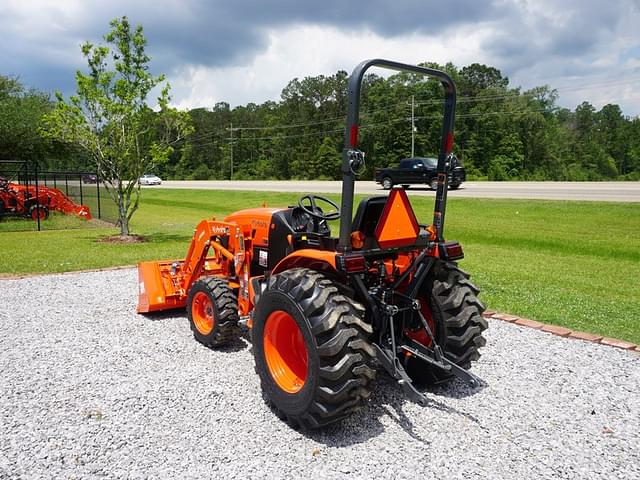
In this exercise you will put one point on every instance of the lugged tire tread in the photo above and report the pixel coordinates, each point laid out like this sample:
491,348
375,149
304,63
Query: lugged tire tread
453,294
227,312
342,345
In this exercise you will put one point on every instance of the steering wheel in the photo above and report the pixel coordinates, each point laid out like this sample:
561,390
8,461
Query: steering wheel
315,211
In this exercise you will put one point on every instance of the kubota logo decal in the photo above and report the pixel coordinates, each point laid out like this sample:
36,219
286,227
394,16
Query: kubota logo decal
259,223
220,230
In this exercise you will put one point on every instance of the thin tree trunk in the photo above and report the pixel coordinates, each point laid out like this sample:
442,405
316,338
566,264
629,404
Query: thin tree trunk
123,219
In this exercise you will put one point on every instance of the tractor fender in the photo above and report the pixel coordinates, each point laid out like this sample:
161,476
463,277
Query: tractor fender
319,260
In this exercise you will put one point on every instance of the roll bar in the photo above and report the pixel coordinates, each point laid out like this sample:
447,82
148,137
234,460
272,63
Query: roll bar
350,153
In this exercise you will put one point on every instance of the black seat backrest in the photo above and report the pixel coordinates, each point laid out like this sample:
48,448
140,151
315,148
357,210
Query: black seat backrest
368,213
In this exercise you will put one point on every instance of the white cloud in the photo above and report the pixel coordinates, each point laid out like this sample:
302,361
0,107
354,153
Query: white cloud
302,51
246,51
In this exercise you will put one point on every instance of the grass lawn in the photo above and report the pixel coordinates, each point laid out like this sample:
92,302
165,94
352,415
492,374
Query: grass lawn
575,264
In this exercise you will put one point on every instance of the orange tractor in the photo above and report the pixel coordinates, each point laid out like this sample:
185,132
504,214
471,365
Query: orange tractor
36,202
325,312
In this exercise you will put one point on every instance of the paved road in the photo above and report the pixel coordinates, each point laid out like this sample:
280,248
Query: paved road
597,191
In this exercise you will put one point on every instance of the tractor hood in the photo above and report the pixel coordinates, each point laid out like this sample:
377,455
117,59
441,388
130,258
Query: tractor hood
258,218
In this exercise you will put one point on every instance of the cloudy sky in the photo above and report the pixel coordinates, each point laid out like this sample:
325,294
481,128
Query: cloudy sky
247,50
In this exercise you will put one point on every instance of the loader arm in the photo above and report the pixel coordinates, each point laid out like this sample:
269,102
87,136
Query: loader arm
209,235
165,284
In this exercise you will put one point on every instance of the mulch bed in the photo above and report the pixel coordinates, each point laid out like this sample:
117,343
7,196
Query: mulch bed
123,239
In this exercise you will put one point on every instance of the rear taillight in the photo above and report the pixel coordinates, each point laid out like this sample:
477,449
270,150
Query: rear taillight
352,263
450,251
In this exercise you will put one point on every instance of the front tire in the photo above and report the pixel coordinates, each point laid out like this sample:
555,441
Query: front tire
433,184
36,211
387,183
457,319
311,349
212,309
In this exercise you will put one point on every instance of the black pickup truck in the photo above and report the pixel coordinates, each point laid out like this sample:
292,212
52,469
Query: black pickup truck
419,170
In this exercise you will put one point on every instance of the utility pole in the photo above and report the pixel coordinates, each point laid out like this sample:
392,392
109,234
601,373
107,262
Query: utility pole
231,145
413,128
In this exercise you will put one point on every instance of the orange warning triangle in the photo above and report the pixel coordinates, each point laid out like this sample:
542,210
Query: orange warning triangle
397,226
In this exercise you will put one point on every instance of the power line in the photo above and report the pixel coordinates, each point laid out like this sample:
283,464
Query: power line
343,117
374,125
294,125
514,95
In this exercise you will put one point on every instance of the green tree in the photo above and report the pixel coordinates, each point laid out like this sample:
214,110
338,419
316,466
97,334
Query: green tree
21,112
501,132
475,78
109,116
325,164
507,162
632,154
611,129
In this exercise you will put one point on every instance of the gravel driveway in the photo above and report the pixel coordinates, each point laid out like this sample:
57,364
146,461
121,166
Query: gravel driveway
88,388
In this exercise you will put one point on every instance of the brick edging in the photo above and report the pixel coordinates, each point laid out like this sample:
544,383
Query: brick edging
562,331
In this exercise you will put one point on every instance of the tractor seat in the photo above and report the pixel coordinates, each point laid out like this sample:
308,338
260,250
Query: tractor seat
368,213
366,219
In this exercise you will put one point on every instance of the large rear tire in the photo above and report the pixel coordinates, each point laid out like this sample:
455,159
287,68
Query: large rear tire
456,314
212,309
311,349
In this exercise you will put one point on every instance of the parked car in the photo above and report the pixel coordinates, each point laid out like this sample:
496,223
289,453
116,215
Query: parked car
419,170
148,179
89,178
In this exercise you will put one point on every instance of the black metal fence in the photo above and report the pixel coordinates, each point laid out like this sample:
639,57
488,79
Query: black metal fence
83,188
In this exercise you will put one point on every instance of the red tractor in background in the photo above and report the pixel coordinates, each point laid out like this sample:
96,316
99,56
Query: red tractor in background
325,312
17,200
33,202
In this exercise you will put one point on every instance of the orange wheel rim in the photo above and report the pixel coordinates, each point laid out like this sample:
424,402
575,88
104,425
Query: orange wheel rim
285,351
202,313
37,213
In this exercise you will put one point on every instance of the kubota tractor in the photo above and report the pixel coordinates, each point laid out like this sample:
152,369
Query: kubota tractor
33,202
16,200
325,312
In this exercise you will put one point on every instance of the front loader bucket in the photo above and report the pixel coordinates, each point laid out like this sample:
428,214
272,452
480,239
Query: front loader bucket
156,290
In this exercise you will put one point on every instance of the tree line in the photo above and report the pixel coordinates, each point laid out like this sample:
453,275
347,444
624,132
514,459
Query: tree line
502,132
